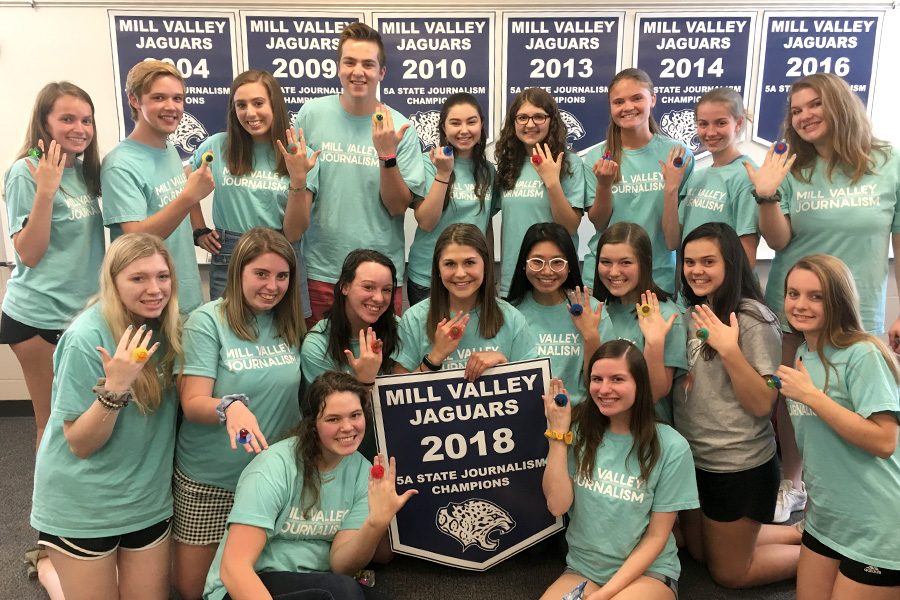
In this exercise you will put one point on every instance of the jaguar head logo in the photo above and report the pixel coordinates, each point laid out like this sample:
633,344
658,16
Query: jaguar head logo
574,128
680,125
189,134
426,125
474,523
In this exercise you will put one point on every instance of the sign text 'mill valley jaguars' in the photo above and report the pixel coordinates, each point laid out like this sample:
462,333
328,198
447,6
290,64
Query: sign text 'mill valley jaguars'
475,451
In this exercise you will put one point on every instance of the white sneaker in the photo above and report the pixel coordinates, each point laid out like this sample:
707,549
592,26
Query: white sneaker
789,500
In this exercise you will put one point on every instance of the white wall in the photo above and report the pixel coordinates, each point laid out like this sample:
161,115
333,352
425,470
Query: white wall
66,39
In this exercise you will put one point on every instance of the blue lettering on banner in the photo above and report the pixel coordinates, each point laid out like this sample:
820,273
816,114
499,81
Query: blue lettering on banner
797,45
475,451
432,58
200,46
299,51
573,58
688,56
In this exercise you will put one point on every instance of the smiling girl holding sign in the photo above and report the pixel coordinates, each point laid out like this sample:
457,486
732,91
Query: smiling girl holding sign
463,323
842,397
621,476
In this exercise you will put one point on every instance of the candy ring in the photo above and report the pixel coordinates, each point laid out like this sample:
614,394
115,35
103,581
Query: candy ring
561,399
448,150
577,593
780,148
645,310
207,156
607,155
293,148
703,334
140,354
576,309
35,152
377,345
536,159
377,472
677,161
378,117
455,332
244,436
774,382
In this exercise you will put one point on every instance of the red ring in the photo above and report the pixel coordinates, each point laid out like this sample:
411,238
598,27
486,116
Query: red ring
455,332
377,345
377,472
536,159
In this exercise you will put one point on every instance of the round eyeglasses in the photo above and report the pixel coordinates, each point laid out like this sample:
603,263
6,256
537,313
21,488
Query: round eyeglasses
556,264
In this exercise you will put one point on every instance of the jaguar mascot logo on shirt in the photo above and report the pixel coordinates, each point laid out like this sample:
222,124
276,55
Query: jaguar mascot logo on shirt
680,125
189,134
473,523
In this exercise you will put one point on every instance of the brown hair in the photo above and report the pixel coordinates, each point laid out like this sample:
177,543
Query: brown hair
142,75
37,130
637,239
239,142
360,32
613,131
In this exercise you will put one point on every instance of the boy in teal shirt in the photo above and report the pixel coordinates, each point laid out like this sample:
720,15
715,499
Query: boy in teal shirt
368,171
145,189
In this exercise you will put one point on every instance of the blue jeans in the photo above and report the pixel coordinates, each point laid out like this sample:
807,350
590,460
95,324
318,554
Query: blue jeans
218,268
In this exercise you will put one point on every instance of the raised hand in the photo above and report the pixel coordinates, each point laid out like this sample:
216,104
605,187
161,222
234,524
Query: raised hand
448,333
442,162
796,383
771,173
384,502
722,338
367,365
653,325
559,418
673,170
130,356
605,171
298,163
384,138
548,168
588,322
50,168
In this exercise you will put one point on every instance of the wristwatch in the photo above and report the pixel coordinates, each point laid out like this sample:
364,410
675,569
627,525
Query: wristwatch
226,401
430,365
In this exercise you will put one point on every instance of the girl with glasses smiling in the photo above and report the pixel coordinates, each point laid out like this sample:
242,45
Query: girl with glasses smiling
545,289
539,179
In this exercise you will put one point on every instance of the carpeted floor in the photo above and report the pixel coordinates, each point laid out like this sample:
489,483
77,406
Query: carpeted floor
524,576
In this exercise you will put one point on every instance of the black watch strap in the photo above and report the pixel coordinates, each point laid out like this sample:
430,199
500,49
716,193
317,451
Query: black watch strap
430,365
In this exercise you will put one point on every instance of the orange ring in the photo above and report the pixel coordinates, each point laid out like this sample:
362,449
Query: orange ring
140,354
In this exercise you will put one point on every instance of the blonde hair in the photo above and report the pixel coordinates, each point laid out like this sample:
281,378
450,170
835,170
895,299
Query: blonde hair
148,387
852,141
286,314
842,323
142,75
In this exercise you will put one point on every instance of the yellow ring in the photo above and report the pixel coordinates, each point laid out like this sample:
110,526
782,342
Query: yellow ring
140,354
378,118
645,310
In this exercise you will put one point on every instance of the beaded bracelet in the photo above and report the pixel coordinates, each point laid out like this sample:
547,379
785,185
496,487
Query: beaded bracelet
559,436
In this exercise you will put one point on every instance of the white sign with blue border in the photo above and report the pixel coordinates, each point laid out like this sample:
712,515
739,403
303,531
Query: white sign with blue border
299,50
795,45
431,57
574,57
476,452
688,55
200,45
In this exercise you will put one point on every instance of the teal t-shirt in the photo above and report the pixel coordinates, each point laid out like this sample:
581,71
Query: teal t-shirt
719,195
266,369
557,338
528,203
138,180
268,497
515,339
314,356
126,485
638,198
851,221
853,504
50,294
621,322
347,212
464,207
611,511
256,199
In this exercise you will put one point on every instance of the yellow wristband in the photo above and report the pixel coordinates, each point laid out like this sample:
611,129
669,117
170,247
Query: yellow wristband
559,436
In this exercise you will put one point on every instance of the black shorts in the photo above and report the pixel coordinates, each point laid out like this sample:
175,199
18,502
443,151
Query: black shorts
727,497
15,332
95,548
852,569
